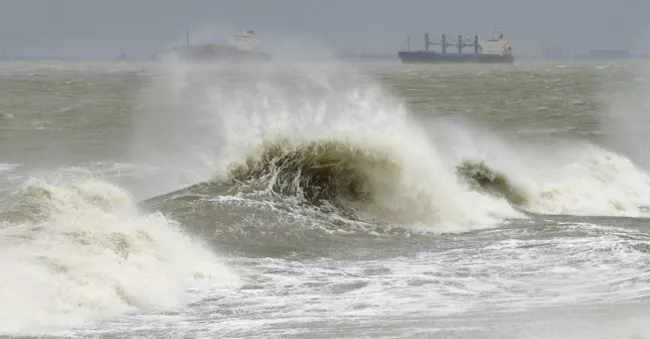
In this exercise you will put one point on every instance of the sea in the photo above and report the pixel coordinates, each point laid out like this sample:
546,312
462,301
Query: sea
324,200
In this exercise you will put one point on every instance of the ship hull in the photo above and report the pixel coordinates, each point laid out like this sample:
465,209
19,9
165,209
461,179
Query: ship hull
219,53
433,57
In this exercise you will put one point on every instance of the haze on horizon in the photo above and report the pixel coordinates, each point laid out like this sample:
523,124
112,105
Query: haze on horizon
78,28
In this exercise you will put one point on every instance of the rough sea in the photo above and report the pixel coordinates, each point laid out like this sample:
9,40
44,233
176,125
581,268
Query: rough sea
324,200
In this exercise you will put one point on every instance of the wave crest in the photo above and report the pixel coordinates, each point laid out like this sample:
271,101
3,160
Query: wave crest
360,180
482,177
316,171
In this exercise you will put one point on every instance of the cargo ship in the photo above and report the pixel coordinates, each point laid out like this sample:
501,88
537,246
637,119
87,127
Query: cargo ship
240,48
494,50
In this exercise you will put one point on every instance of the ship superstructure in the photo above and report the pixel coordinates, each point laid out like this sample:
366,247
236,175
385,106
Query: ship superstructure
240,47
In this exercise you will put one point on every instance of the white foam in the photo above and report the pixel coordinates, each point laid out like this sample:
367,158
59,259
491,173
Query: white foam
241,113
517,282
557,177
85,252
597,182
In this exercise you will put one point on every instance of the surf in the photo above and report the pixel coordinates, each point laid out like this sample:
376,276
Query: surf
83,250
582,179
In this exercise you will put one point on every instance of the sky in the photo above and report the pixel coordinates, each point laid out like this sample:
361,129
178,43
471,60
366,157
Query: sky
106,28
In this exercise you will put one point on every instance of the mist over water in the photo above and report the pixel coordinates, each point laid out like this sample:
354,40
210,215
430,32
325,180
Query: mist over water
258,200
238,115
627,105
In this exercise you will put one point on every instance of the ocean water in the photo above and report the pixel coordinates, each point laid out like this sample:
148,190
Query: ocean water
324,200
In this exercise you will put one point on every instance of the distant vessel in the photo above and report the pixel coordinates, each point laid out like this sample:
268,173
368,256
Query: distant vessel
241,47
495,50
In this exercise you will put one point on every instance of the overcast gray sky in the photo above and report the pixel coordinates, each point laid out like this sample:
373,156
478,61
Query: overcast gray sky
141,27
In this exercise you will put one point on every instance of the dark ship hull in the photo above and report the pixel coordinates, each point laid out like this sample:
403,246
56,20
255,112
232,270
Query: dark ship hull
219,53
423,57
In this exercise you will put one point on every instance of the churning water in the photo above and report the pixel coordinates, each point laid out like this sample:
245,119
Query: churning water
324,201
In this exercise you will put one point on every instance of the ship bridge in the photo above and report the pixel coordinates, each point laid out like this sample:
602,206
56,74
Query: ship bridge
246,41
495,46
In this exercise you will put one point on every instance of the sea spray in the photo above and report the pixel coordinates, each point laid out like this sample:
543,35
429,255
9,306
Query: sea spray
559,176
277,114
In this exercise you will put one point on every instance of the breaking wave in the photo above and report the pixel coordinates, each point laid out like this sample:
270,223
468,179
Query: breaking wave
375,183
596,182
481,177
327,172
362,182
76,252
335,139
322,136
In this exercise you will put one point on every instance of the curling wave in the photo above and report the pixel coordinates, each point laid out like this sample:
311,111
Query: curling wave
316,172
596,183
481,177
326,137
362,181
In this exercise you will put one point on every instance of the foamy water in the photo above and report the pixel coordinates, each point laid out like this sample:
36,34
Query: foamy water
82,251
411,250
562,177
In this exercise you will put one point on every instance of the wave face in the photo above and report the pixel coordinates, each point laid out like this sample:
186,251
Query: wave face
482,177
315,172
336,176
77,252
